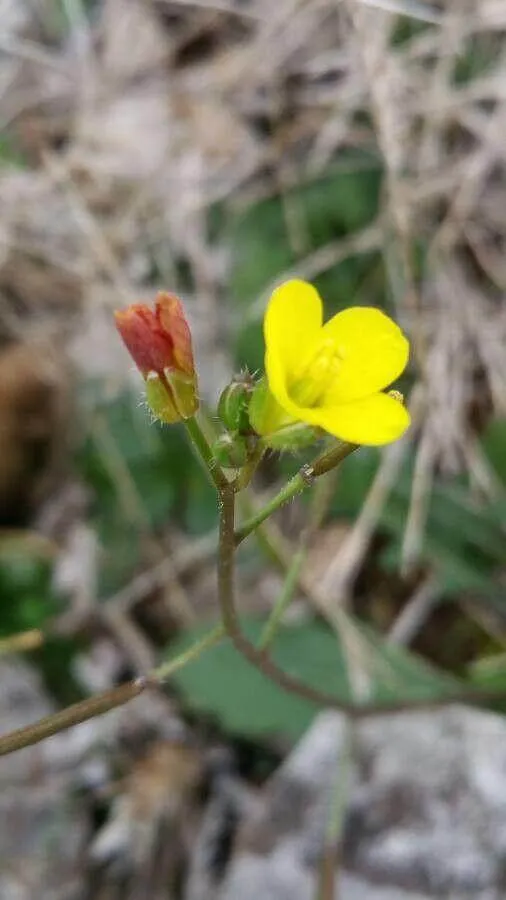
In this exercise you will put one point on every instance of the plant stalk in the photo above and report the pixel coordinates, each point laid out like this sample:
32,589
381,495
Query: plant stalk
299,483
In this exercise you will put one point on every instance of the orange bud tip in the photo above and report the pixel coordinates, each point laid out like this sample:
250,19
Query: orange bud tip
159,342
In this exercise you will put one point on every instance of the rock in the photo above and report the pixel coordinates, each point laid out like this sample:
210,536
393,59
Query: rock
425,816
43,828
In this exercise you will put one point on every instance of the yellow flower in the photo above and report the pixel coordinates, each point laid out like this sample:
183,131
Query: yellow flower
332,376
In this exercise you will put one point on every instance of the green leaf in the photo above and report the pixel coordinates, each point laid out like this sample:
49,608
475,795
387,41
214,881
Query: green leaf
26,599
490,675
494,447
463,540
222,684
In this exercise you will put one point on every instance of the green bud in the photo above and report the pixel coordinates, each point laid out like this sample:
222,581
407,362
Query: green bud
233,405
231,451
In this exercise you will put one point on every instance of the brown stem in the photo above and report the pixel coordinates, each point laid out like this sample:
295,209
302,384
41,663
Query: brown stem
226,596
229,614
102,703
73,715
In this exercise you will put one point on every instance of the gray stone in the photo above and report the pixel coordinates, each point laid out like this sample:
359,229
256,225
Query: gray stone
43,830
425,814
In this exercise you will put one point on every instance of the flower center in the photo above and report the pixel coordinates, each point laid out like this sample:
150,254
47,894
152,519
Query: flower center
317,374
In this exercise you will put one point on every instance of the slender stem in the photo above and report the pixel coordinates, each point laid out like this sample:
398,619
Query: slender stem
226,596
199,440
73,715
163,672
295,486
339,799
22,642
247,472
226,549
284,597
302,480
320,500
95,706
102,703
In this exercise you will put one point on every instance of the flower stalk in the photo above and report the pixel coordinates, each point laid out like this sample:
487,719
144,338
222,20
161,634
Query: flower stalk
296,485
319,378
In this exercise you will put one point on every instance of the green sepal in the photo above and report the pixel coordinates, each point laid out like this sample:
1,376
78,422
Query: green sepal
265,414
160,400
234,402
292,437
231,450
183,389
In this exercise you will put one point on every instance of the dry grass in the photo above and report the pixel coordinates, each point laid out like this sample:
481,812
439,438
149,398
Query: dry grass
134,117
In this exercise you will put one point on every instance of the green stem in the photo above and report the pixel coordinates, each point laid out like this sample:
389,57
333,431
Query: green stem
226,597
320,500
284,598
247,471
102,703
173,665
203,447
295,486
73,715
299,483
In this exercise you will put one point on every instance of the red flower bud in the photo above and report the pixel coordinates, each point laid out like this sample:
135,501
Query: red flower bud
159,342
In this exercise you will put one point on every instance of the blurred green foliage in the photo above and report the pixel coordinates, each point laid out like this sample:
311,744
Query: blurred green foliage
223,685
463,542
10,154
26,598
143,477
151,480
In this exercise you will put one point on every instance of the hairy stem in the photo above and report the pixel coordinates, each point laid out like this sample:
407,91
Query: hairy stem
299,483
201,444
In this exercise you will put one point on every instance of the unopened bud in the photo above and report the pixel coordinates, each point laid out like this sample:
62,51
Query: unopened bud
233,404
159,342
230,451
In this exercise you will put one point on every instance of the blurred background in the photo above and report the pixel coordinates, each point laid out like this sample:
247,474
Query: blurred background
214,148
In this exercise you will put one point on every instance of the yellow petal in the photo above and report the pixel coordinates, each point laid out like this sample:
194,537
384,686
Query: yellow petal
377,419
277,381
372,352
292,324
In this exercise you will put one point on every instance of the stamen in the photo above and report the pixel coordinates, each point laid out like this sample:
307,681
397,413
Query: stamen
316,374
